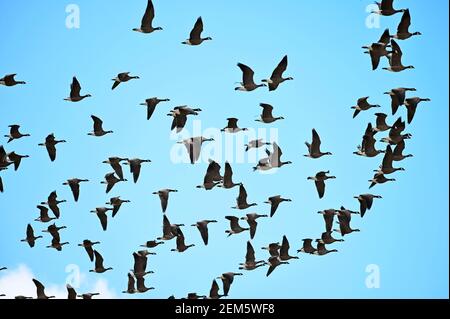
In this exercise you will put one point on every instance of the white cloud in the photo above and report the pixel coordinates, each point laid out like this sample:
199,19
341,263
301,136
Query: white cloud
18,281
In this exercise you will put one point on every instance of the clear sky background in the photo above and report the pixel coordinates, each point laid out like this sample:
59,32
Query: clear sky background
405,234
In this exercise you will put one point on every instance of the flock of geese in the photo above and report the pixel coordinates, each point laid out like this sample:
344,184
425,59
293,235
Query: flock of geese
278,253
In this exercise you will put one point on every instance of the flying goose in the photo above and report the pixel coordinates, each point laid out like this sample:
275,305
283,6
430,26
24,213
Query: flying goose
8,80
50,143
170,231
54,230
43,215
397,155
214,291
274,201
248,83
193,295
346,214
266,115
319,179
115,164
344,226
365,202
122,77
395,133
22,297
403,27
284,250
227,182
195,37
250,263
116,203
395,59
135,166
235,228
87,244
328,216
327,238
88,295
227,279
101,214
16,159
273,249
111,180
40,290
147,19
385,8
131,285
379,179
57,244
212,176
277,75
363,105
381,125
99,268
4,161
179,120
74,184
321,250
232,126
386,166
14,133
411,105
398,97
181,246
53,202
75,89
140,264
314,147
98,127
274,262
151,104
378,49
241,200
202,226
164,197
71,293
275,156
152,243
1,185
193,146
256,144
30,239
140,285
251,220
367,147
307,246
3,268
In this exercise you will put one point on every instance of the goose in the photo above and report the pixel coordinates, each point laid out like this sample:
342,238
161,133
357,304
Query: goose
122,77
1,185
135,167
277,75
255,144
3,268
57,244
367,148
164,197
212,177
403,27
379,179
321,250
266,115
140,285
8,80
274,201
87,244
381,125
395,59
184,110
193,146
71,293
170,231
398,97
140,264
53,202
273,249
234,225
14,133
319,179
75,89
30,239
22,297
88,295
232,126
314,148
4,161
327,238
181,246
40,290
411,106
386,166
116,202
363,105
115,164
365,202
307,246
395,133
131,285
274,262
74,184
98,127
152,243
195,37
101,214
284,250
16,159
251,220
111,180
147,19
241,200
178,122
275,156
378,49
385,8
2,295
346,214
344,226
328,216
202,226
151,104
227,182
227,279
214,291
99,268
193,295
50,143
250,263
397,155
54,230
248,84
43,215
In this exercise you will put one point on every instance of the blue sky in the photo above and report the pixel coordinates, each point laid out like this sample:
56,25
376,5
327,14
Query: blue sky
405,234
